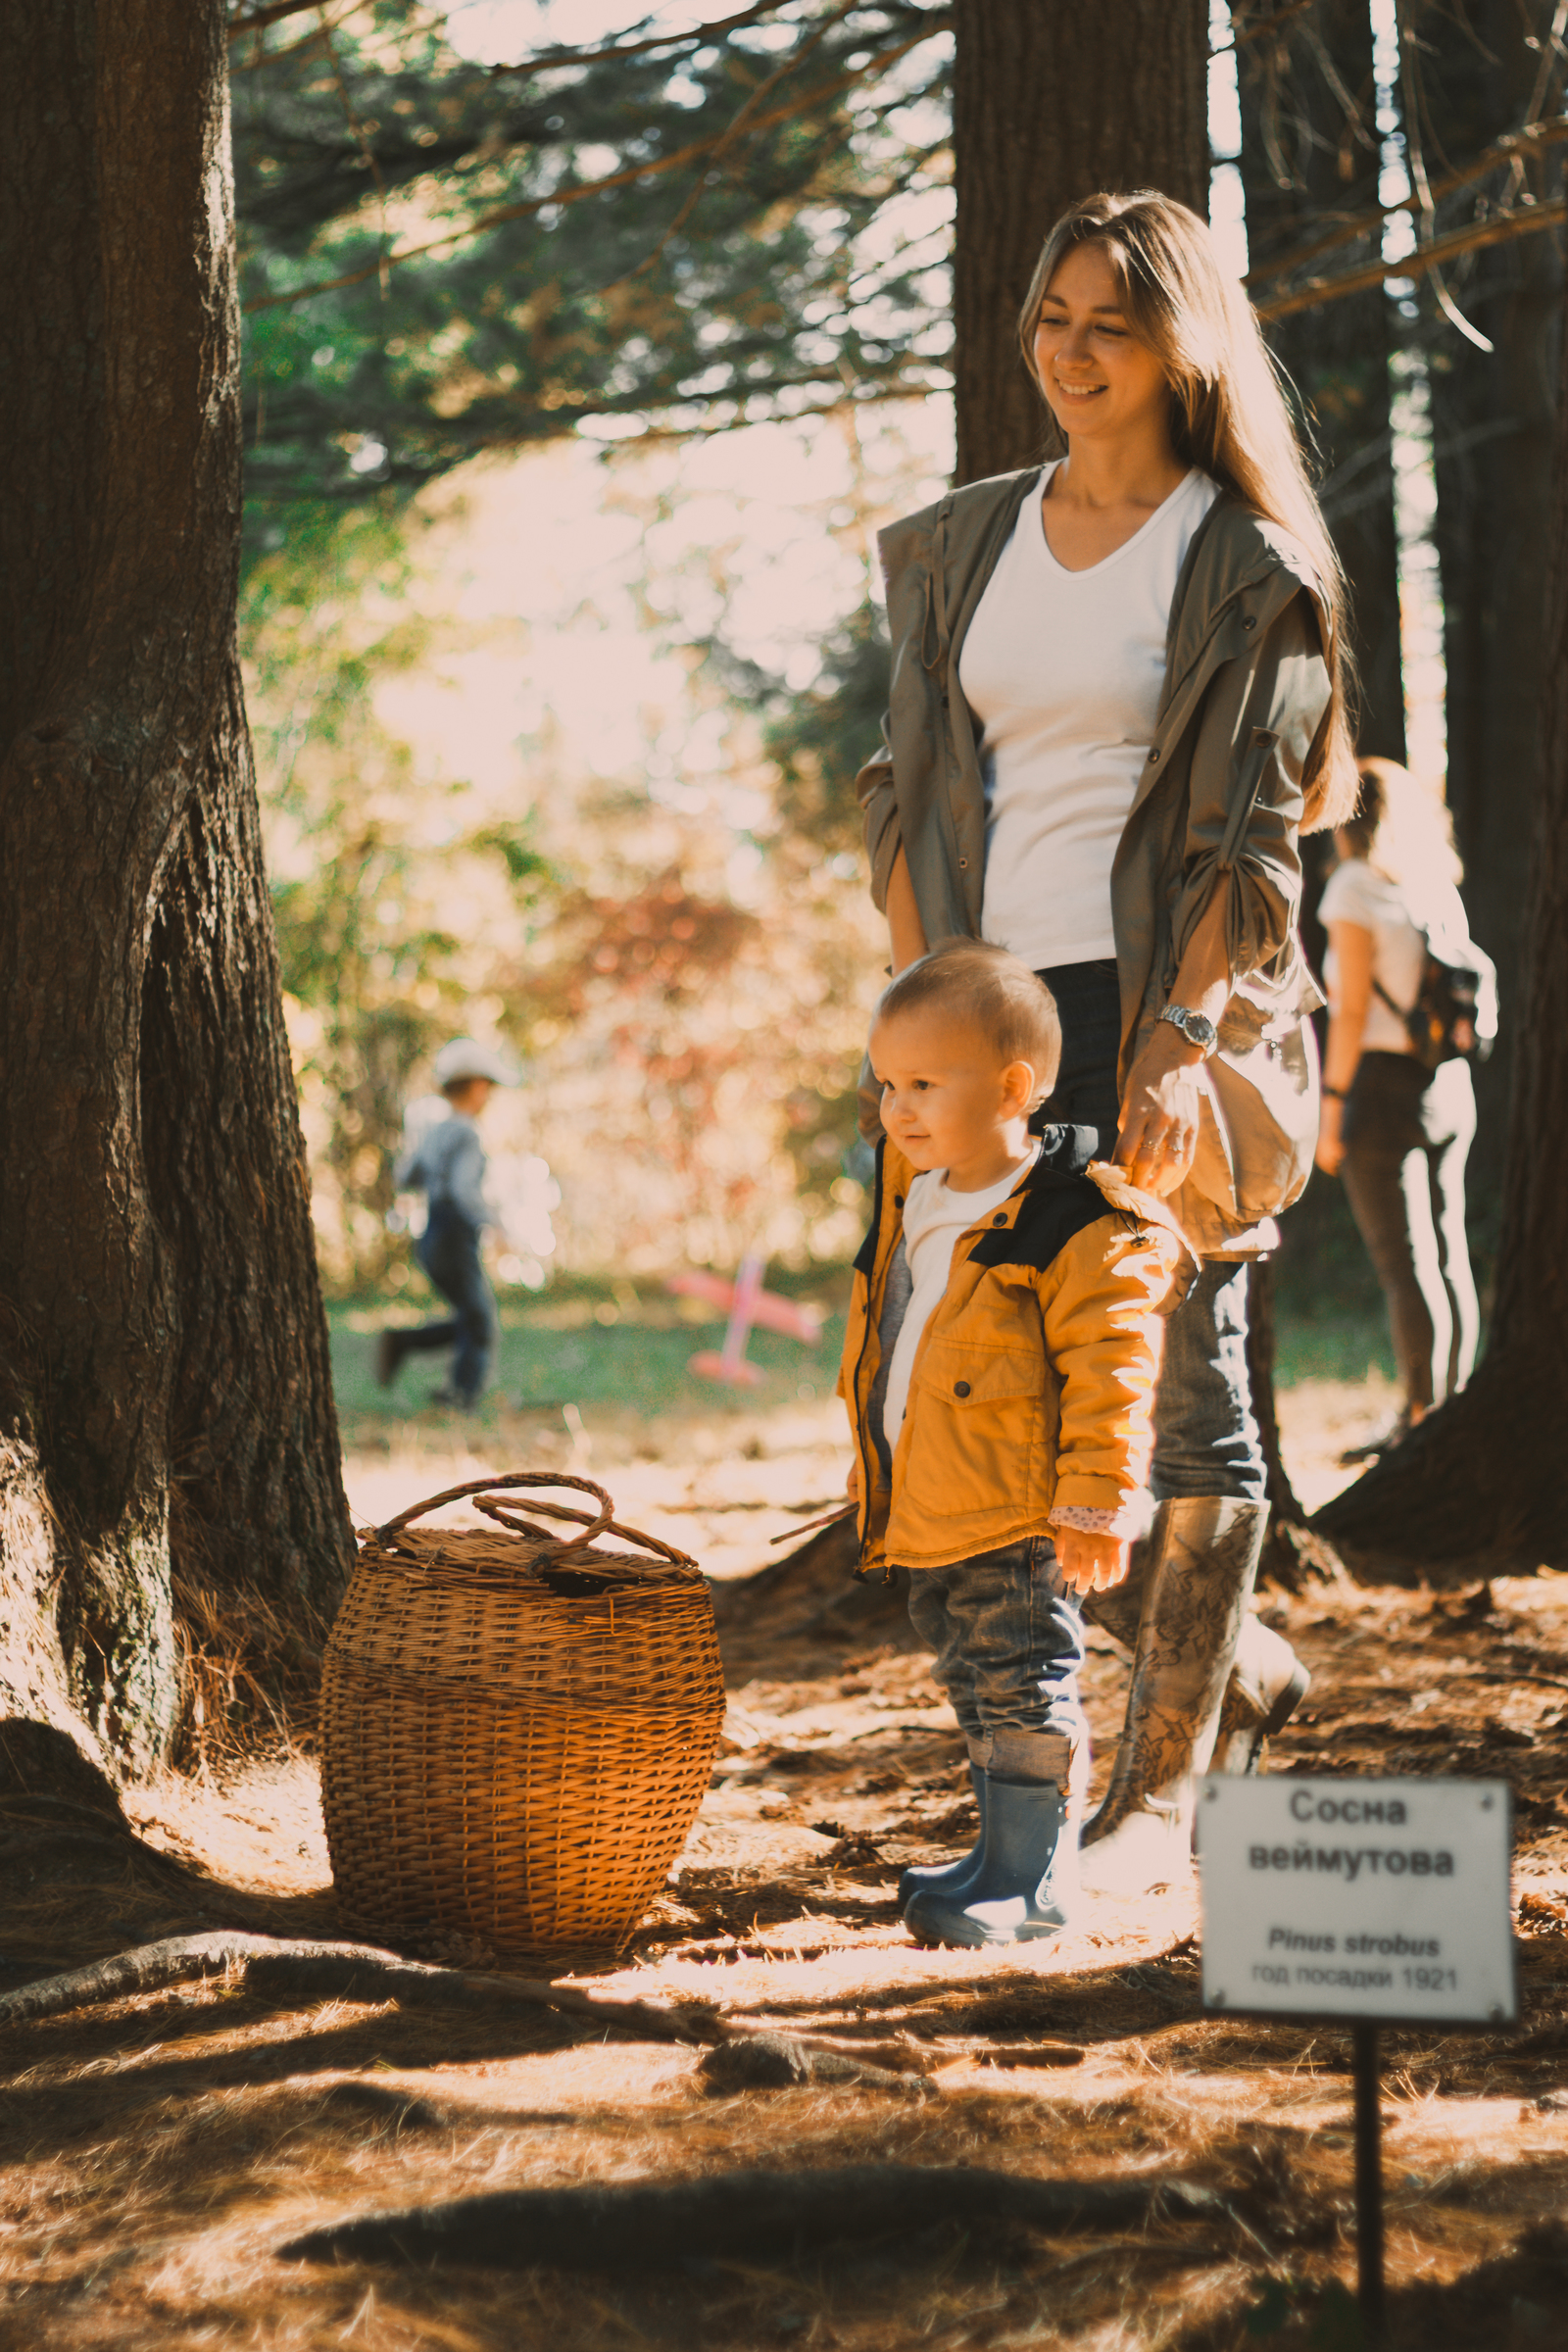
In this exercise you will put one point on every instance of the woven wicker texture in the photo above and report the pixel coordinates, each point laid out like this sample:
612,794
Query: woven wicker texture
517,1725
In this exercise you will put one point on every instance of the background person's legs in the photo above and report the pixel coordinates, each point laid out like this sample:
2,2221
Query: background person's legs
448,1252
1448,1121
1390,1193
1446,1186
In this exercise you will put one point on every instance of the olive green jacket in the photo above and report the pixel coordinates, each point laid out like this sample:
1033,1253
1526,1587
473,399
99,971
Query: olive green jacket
1220,800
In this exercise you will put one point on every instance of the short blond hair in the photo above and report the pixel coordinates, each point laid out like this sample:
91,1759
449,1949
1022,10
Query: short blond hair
974,981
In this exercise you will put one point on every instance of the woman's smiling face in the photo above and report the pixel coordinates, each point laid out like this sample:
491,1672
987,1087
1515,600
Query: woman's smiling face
1097,378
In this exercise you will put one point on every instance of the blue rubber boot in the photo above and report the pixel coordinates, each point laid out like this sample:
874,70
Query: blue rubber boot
1027,1884
951,1875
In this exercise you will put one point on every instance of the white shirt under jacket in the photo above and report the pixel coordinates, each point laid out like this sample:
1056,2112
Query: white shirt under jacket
1064,672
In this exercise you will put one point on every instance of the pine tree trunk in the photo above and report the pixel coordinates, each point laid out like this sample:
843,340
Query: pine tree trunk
1478,1486
163,1353
1309,153
1492,427
1050,104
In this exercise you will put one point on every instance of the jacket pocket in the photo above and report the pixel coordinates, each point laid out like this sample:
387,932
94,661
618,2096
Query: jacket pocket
972,1438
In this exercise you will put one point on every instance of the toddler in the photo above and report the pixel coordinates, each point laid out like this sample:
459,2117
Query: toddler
998,1369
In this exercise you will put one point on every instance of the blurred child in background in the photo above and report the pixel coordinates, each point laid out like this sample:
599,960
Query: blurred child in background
448,1165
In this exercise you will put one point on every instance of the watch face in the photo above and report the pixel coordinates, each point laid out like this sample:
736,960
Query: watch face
1195,1027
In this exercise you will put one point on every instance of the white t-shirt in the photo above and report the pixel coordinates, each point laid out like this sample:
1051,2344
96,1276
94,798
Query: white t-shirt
933,1219
1064,672
1356,894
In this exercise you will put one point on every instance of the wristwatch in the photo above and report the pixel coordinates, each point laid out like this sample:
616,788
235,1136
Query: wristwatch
1197,1027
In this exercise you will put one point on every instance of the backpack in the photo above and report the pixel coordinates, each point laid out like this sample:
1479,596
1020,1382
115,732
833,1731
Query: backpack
1454,1017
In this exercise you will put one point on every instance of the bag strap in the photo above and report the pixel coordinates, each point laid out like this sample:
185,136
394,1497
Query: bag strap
1403,1011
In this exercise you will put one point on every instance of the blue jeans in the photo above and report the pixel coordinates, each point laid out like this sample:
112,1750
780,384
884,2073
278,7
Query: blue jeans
1205,1438
1009,1645
448,1252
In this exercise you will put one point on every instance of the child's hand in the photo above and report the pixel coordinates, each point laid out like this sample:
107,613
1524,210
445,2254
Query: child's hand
852,1485
1090,1563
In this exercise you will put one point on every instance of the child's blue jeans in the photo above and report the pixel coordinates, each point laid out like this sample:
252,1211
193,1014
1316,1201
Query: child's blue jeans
1009,1645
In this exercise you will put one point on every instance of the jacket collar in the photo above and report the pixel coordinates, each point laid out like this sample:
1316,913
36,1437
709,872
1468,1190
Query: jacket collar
1065,1153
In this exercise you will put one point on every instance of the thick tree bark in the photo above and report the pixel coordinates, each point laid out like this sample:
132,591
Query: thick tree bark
1050,104
1310,154
1492,417
163,1353
1477,1488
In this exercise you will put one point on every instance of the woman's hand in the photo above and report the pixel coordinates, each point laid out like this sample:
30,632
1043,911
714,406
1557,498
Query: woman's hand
1330,1153
1090,1563
1159,1136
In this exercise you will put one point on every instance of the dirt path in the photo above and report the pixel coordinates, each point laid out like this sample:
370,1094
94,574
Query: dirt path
158,2153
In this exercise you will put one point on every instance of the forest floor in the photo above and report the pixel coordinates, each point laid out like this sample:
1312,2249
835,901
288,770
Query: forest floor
157,2153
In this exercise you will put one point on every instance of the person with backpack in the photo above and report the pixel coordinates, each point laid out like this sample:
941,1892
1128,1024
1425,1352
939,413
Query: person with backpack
1412,1004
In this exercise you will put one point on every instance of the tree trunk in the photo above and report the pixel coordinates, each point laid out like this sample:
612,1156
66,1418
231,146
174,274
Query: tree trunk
1050,104
1493,425
166,1415
1477,1487
1309,154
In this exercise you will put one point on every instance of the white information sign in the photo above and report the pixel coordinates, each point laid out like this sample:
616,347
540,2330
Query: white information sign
1357,1898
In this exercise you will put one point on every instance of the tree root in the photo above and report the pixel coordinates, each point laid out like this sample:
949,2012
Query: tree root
295,1971
783,2061
654,2223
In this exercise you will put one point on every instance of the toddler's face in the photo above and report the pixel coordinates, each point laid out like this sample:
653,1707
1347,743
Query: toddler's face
945,1096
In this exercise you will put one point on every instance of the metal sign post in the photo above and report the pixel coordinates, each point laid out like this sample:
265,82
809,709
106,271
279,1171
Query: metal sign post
1371,1902
1368,2178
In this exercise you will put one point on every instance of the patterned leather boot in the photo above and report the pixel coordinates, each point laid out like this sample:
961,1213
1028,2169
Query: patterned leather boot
1267,1682
1199,1562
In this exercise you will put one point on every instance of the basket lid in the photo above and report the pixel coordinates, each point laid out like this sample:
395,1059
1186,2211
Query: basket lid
566,1566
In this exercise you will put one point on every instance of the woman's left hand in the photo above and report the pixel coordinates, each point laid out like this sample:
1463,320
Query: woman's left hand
1158,1138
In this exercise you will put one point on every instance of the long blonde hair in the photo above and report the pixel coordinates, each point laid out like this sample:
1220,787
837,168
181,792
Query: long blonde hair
1228,417
1402,827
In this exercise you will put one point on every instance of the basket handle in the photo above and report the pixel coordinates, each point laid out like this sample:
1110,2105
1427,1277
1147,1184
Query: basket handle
595,1524
594,1528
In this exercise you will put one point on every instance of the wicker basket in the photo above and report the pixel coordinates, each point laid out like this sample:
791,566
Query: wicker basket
517,1727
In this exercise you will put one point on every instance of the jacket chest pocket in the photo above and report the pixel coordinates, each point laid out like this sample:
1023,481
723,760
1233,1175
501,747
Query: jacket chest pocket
974,1429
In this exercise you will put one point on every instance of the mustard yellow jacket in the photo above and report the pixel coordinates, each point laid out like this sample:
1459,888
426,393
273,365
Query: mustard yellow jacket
1034,1380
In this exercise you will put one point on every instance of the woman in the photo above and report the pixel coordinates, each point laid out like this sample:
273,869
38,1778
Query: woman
1396,1132
1119,691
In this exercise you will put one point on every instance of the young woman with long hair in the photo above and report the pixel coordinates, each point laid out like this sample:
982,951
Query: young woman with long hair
1120,692
1396,1133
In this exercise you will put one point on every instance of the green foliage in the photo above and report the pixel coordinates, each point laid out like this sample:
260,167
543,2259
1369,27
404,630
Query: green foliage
367,890
735,279
817,740
633,1356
